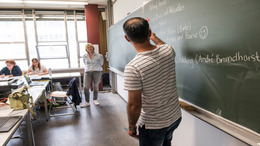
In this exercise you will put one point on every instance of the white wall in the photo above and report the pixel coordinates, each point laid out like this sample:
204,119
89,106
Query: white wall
195,132
192,131
120,87
122,7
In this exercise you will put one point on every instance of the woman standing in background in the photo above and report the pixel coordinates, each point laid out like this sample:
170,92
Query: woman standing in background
93,71
11,69
36,68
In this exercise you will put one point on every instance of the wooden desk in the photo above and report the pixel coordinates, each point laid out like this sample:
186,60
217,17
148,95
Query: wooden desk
6,136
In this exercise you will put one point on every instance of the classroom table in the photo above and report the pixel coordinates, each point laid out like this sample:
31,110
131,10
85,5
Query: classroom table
56,76
6,136
68,75
61,76
36,92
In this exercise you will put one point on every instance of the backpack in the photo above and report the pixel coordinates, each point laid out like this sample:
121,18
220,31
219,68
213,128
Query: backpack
19,100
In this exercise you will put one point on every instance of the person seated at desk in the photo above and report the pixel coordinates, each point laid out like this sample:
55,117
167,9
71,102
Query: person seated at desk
11,69
36,68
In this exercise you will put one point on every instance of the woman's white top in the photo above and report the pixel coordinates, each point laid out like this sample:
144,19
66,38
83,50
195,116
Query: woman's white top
37,70
93,64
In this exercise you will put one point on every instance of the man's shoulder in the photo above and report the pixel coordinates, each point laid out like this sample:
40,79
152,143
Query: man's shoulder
130,64
135,60
133,63
164,46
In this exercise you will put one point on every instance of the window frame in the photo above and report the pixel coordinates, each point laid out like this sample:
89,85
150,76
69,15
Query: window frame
31,14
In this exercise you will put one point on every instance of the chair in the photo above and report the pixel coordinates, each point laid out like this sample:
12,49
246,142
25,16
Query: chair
66,97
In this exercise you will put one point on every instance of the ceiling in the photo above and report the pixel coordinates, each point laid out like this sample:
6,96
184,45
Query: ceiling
9,5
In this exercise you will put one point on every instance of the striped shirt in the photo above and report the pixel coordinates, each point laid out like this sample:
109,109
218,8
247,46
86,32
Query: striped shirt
153,72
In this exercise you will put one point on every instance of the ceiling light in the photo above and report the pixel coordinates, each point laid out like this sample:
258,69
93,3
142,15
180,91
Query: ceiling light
57,2
45,2
11,1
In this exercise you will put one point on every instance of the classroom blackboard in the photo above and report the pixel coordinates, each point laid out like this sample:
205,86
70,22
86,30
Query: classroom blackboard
120,51
217,45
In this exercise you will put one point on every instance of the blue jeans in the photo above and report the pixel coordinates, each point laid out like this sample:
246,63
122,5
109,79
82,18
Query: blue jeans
88,77
157,137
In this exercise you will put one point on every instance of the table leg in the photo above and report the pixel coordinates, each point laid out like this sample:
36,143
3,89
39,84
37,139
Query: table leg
30,130
80,86
45,105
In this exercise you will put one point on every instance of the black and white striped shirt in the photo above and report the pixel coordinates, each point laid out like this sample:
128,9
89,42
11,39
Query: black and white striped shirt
153,72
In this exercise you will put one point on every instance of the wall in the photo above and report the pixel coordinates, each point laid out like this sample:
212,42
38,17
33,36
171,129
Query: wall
192,131
92,21
122,7
120,87
195,132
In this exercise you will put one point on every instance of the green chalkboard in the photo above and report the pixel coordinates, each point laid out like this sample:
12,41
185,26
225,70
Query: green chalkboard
217,45
120,52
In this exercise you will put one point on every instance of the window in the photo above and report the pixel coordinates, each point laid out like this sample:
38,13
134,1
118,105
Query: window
46,31
12,40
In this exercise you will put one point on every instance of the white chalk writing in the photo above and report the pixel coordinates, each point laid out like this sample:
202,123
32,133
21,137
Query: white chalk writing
174,9
238,58
184,31
219,59
168,10
157,4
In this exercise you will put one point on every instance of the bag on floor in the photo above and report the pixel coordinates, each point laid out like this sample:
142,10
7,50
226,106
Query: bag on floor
19,100
56,86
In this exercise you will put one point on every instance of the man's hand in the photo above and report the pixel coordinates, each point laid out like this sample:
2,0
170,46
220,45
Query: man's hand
134,106
132,132
153,36
155,39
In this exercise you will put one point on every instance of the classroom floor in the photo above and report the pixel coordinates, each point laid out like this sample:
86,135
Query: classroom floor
102,125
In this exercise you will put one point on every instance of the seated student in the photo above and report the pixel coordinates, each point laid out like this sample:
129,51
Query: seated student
11,69
36,68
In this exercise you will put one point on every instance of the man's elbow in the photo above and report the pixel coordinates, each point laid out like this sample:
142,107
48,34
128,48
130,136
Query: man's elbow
134,106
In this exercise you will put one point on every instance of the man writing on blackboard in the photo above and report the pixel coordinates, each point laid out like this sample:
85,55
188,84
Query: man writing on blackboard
151,83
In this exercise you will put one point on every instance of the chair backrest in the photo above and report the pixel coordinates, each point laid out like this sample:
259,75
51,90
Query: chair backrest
72,83
74,92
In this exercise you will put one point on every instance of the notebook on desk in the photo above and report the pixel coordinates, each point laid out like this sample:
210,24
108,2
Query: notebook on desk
5,79
33,83
40,78
7,123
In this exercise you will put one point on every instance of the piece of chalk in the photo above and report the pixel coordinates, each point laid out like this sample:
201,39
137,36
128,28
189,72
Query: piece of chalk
186,106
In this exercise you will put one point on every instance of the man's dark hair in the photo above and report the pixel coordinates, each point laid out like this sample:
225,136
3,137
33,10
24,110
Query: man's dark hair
137,29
